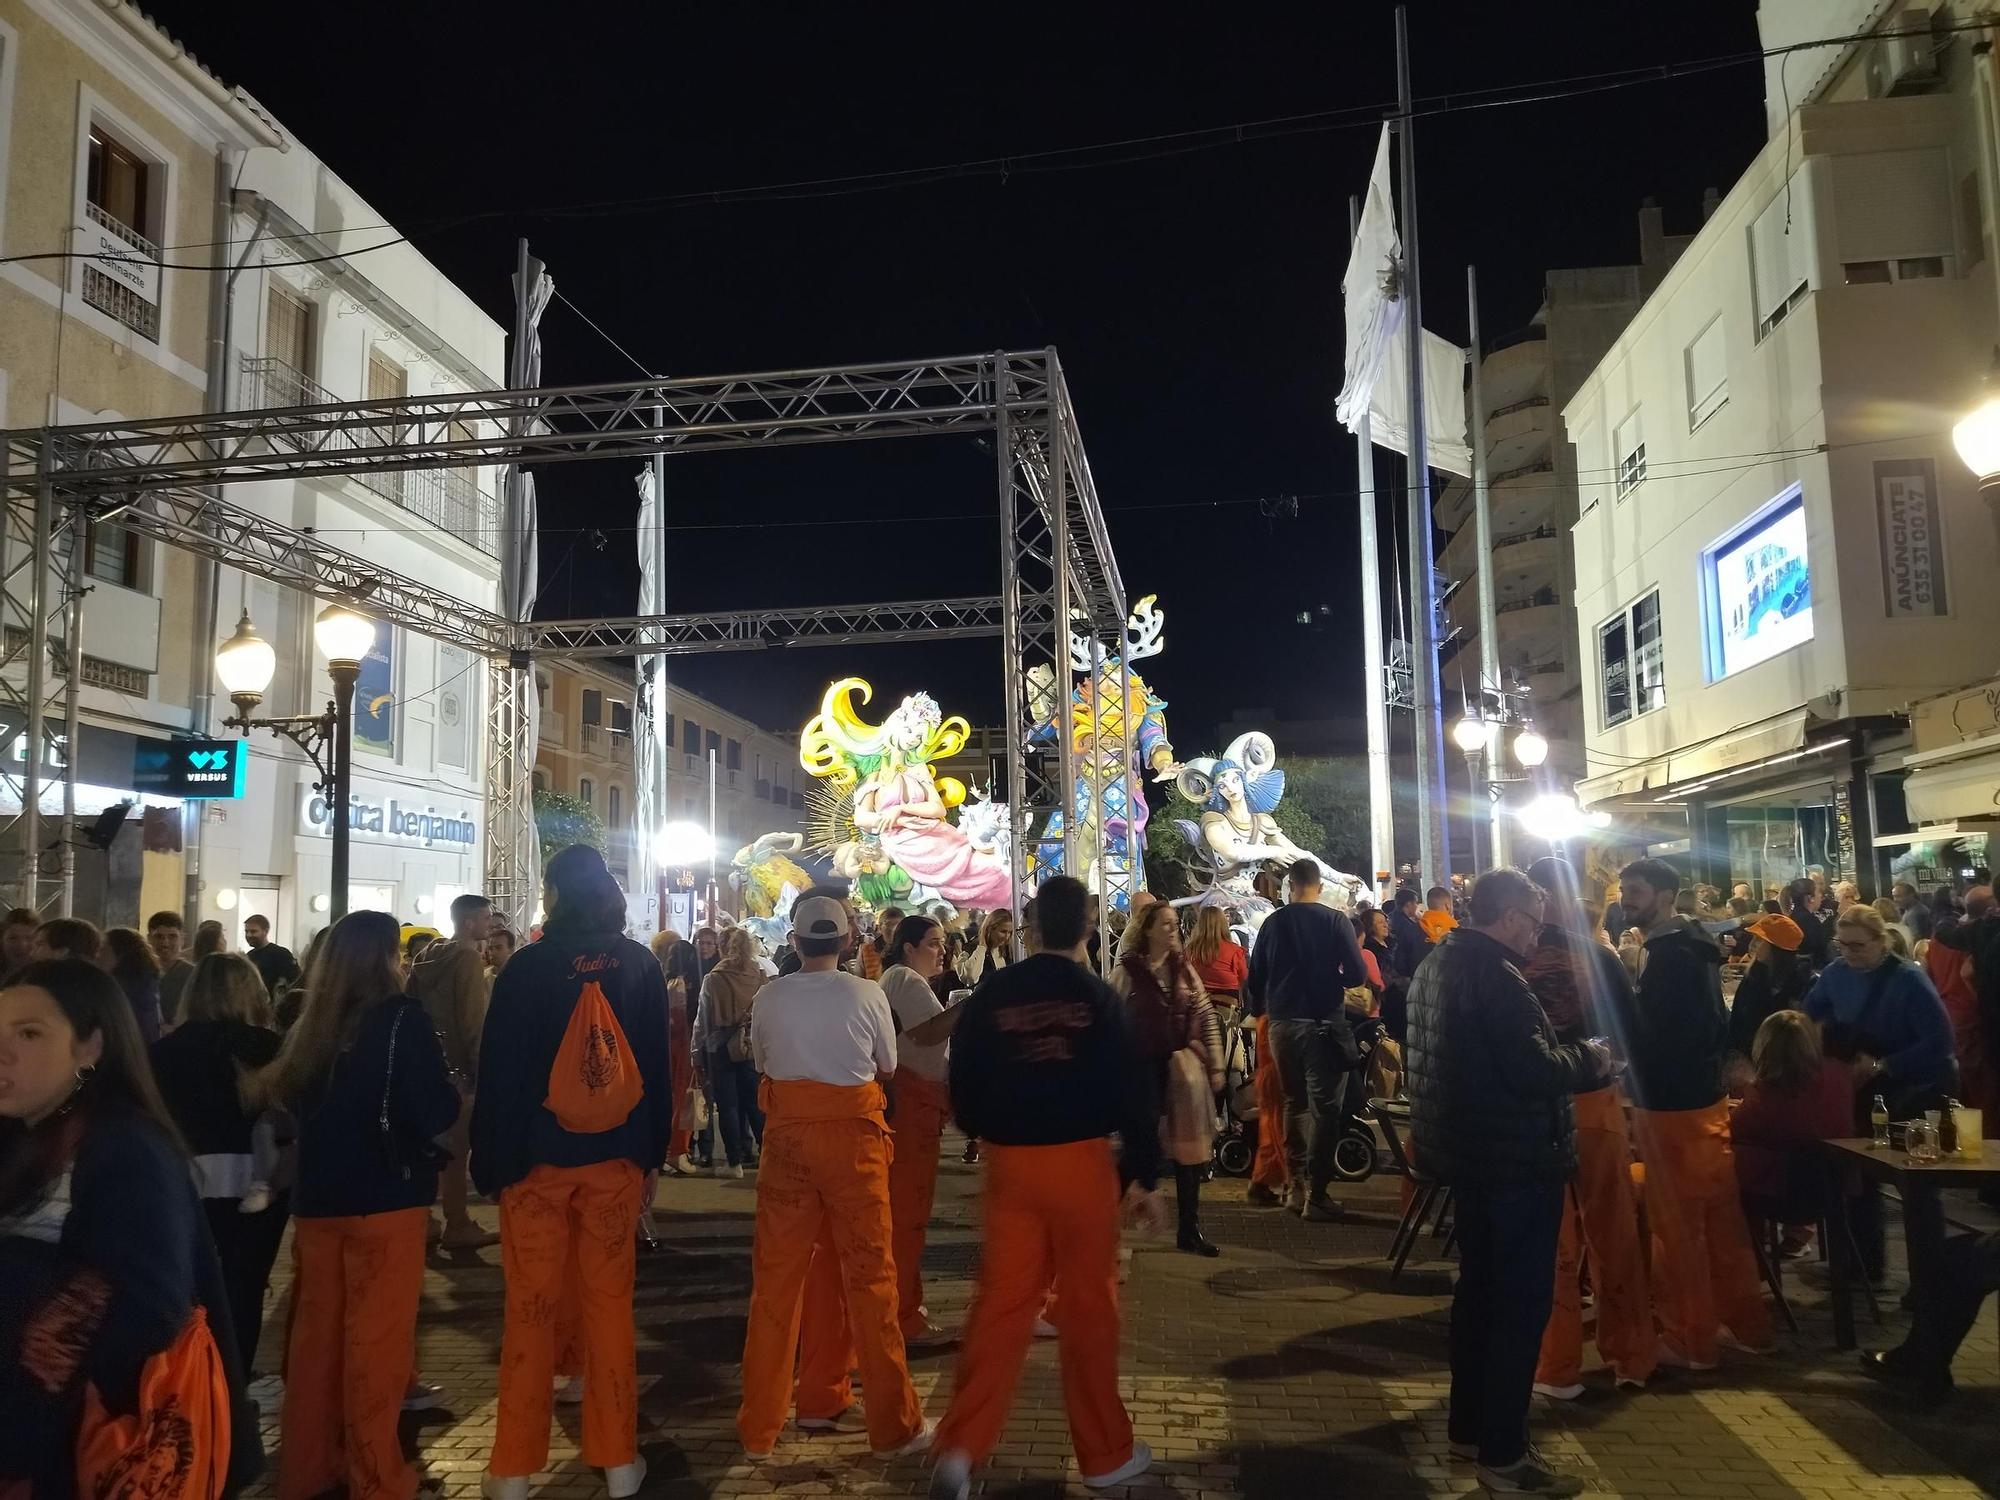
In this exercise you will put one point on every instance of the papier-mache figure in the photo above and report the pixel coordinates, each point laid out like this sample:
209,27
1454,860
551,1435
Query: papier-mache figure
887,826
1112,823
1237,835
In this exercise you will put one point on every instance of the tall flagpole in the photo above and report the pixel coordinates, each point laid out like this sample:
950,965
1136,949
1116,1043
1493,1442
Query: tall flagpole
1433,821
1489,634
1381,809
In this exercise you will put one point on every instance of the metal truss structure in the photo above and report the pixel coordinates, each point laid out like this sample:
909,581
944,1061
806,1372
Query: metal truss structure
164,478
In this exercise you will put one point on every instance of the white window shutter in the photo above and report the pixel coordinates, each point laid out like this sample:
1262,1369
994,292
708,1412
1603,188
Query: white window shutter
1781,249
1707,373
1889,205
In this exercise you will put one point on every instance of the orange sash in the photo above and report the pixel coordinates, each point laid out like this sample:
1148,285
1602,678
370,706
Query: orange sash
790,1101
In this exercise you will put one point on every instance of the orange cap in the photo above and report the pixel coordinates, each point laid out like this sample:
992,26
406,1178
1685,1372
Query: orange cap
1779,931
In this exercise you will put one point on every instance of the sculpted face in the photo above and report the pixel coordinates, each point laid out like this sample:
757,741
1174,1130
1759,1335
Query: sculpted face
1229,787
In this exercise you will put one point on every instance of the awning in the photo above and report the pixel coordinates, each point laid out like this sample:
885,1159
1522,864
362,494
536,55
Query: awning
1960,781
1939,833
1740,750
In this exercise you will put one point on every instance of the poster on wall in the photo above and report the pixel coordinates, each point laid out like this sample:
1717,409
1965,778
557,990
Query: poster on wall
1906,503
1760,591
454,704
375,694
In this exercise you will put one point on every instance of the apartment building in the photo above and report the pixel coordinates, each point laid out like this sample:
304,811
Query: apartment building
119,149
1777,549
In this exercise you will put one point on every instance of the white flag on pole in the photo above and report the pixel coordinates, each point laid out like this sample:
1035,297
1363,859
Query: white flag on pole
1373,291
1377,382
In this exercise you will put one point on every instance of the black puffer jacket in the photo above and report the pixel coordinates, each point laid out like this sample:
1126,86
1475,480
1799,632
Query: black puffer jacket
1489,1083
1677,1035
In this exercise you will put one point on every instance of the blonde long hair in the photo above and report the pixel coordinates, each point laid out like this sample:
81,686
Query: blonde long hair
358,969
1211,931
840,746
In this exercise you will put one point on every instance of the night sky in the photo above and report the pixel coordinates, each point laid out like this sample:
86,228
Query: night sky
1193,297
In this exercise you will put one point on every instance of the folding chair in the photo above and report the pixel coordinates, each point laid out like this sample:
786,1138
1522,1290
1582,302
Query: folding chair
1393,1115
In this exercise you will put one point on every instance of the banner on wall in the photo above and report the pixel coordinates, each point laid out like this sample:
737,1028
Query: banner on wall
1906,503
375,694
456,684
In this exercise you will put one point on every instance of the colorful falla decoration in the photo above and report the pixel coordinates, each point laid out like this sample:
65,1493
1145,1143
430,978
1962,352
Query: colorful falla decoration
1109,820
883,817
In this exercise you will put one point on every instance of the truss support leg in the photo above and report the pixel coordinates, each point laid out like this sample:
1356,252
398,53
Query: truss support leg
74,526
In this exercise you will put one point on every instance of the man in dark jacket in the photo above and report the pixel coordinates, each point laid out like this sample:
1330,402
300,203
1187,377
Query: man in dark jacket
1709,1293
1304,961
1490,1091
1409,944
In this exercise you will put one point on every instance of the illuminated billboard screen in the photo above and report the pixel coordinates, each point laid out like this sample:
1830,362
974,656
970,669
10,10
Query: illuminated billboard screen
1759,590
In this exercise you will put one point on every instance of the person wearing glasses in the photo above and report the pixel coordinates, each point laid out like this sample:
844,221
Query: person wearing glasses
1882,1015
1707,1290
1490,1089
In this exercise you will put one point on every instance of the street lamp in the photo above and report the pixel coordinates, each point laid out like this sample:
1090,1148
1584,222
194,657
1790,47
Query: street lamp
1977,435
246,663
1530,749
1470,734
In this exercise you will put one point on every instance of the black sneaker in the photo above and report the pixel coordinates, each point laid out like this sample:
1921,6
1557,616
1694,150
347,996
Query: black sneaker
1322,1210
1264,1197
1531,1475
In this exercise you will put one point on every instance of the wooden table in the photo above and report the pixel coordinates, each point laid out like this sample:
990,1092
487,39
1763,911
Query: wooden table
1921,1185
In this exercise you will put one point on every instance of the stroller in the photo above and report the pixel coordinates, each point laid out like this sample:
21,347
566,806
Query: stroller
1360,1149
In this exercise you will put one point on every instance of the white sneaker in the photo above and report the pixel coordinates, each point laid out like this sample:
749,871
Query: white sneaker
1044,1329
256,1198
1558,1392
720,1169
421,1395
569,1390
684,1166
622,1480
919,1442
952,1478
513,1488
1140,1461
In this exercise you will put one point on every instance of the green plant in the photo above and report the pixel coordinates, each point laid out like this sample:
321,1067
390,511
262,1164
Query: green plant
561,821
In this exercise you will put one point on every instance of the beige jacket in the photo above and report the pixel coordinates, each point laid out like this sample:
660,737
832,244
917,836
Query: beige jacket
449,981
726,996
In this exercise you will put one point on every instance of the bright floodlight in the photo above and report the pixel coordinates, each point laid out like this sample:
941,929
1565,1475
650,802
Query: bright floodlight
1530,749
1554,818
343,636
246,663
1977,435
1470,732
682,844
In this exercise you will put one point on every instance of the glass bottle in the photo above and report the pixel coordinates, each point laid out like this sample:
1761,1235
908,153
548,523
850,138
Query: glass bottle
1878,1116
1948,1129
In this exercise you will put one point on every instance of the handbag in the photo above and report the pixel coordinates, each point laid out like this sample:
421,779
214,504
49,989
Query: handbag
403,1160
738,1045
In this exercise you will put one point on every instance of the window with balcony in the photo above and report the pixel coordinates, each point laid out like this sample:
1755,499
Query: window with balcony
288,331
733,756
621,717
614,808
690,737
586,792
387,381
122,212
593,706
1631,452
667,723
1707,374
712,743
1631,662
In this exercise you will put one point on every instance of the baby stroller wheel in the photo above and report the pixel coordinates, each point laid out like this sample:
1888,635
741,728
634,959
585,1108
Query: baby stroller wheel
1354,1157
1233,1155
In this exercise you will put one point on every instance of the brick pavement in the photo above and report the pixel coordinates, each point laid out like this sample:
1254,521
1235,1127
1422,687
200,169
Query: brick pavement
1289,1367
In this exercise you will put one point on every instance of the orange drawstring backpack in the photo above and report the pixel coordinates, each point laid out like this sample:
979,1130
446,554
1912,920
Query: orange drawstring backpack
594,1085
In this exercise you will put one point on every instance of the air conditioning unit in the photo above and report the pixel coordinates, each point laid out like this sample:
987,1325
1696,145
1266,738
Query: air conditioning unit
1905,62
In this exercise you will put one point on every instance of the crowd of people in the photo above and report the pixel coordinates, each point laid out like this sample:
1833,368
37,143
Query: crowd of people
1547,1036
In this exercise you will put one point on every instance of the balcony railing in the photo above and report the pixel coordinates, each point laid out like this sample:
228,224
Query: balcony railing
124,296
593,738
1538,534
450,499
1535,600
1539,466
1527,404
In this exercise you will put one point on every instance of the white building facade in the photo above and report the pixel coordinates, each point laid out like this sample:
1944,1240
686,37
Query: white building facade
1777,549
112,137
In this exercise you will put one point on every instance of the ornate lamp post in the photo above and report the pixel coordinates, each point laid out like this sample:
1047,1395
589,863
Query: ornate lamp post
246,663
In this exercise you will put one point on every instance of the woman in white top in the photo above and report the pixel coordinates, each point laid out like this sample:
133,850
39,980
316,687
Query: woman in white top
920,1105
994,950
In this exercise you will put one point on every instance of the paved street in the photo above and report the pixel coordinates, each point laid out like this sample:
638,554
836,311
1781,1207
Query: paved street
1289,1367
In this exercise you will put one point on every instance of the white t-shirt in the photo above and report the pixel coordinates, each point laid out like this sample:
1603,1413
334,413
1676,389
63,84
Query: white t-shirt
829,1027
914,1003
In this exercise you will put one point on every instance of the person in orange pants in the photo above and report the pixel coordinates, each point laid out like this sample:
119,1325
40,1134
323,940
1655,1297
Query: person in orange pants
353,1345
1043,1070
1676,1036
574,1109
823,1398
1269,1176
822,1039
1583,986
915,956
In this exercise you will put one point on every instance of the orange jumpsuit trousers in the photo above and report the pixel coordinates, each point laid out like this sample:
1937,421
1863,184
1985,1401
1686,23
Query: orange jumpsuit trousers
551,1220
826,1159
1050,1211
922,1108
1704,1270
1270,1170
351,1349
826,1342
1601,1212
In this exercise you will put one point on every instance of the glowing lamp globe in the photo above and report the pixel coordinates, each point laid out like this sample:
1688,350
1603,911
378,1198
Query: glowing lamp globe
343,636
679,845
1554,818
246,663
1977,435
1530,749
1469,732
